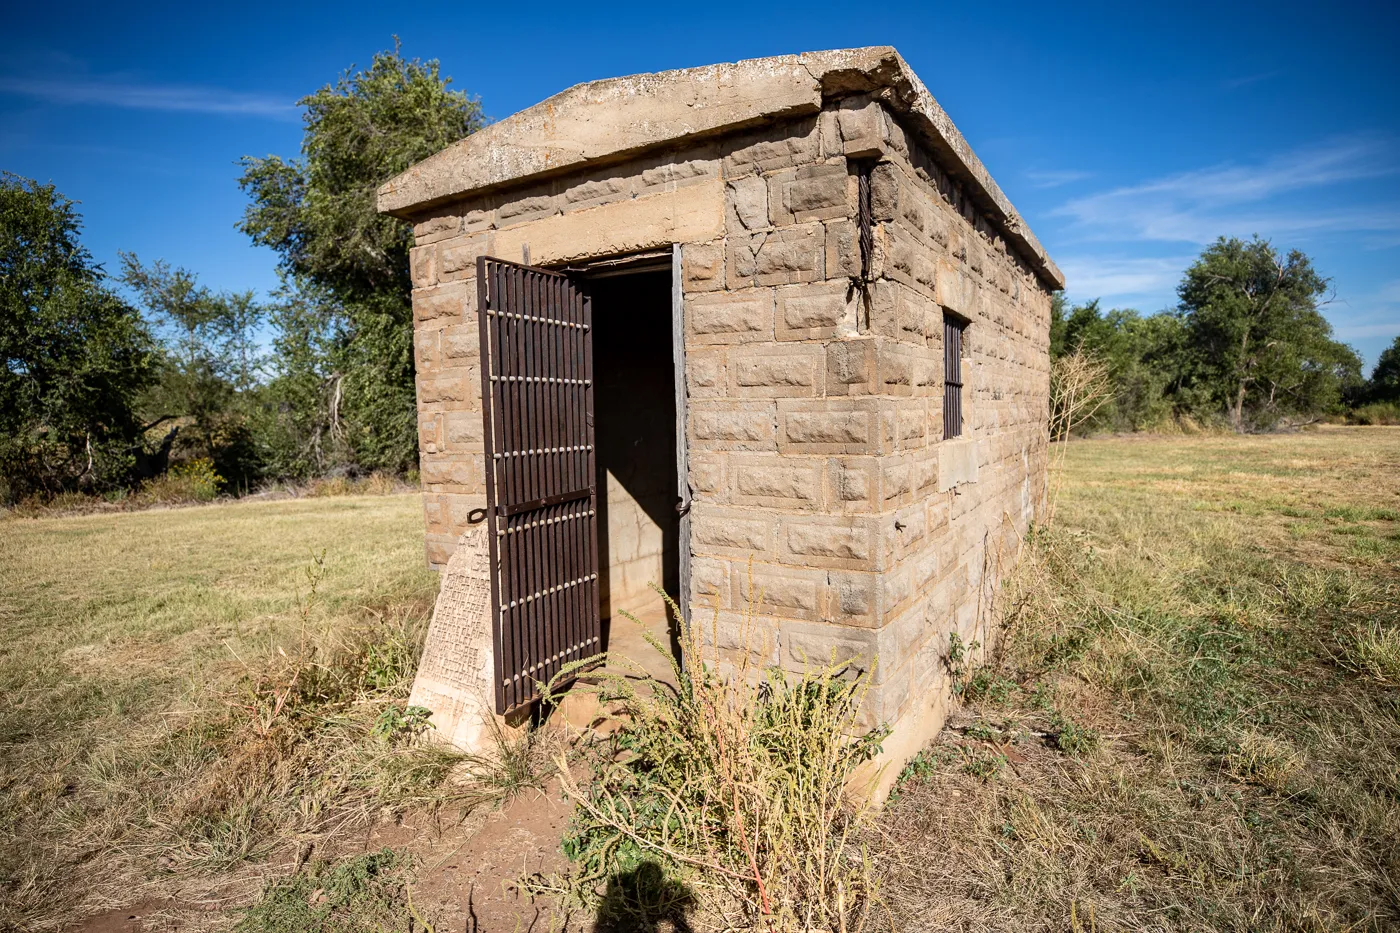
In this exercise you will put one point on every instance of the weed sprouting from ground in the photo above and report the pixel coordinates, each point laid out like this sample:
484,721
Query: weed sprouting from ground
725,790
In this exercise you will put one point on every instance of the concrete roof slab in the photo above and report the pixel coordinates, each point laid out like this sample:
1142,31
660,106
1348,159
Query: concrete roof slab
618,118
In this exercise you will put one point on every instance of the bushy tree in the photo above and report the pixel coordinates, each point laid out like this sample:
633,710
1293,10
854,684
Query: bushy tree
1384,384
318,212
297,421
1146,358
1261,348
73,355
207,367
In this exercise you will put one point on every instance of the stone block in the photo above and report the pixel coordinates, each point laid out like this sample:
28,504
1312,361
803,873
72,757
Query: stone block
747,200
422,265
815,312
842,250
775,371
830,426
523,210
455,300
710,581
855,483
790,255
430,431
730,317
461,343
731,533
454,472
813,646
596,191
427,349
707,372
688,213
860,125
776,147
851,367
854,598
438,548
702,267
773,481
439,226
463,430
811,192
838,543
458,257
775,590
448,385
739,638
732,425
707,476
958,462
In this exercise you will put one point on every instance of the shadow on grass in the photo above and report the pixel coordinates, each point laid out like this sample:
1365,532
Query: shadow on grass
644,900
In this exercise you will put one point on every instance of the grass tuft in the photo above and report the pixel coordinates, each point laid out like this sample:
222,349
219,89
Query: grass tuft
364,894
1373,651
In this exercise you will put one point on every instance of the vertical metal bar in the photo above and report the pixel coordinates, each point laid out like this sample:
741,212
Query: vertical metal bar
682,446
488,435
539,569
573,371
510,339
561,603
549,371
578,524
865,218
592,630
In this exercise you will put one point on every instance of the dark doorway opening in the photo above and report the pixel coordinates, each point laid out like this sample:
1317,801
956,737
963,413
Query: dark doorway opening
634,406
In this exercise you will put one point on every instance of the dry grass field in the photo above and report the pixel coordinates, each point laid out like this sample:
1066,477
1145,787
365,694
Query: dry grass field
1192,721
145,654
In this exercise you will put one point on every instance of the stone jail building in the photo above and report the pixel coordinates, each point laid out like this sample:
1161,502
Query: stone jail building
788,334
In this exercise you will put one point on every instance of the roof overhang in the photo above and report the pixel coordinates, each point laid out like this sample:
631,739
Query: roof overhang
620,118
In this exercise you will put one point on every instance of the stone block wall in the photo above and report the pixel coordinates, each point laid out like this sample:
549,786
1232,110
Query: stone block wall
820,478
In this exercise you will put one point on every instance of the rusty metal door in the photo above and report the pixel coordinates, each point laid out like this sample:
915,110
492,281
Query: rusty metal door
537,404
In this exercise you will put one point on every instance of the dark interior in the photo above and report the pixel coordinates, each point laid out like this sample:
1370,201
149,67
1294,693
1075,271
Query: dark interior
635,428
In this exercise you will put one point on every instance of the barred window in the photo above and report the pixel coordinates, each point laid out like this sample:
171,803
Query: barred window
952,376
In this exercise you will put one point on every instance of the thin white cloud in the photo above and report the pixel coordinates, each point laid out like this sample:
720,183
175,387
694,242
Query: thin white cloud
1054,179
1360,331
1150,278
1198,206
112,92
1369,314
1247,80
1108,277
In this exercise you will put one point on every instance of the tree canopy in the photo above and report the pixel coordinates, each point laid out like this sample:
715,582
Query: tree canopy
73,355
1246,343
1262,348
1384,385
348,262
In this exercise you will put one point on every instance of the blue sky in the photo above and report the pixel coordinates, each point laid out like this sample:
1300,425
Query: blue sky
1129,135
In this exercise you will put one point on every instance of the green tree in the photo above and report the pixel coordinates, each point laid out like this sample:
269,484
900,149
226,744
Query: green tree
297,422
1261,348
318,212
1146,358
1384,384
73,355
207,367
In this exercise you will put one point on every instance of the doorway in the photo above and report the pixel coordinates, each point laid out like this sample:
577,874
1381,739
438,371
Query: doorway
635,427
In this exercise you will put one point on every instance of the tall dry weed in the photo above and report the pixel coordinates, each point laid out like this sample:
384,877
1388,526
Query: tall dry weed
724,791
